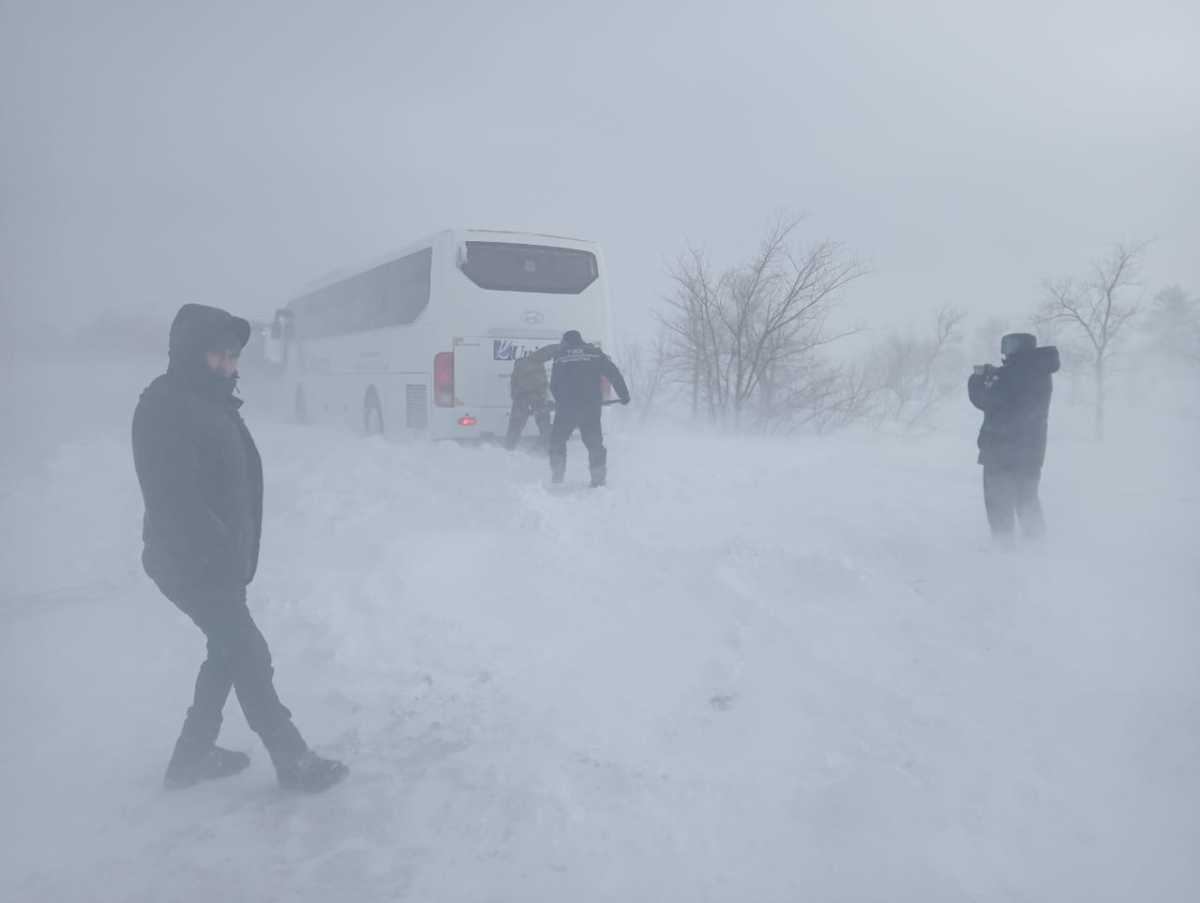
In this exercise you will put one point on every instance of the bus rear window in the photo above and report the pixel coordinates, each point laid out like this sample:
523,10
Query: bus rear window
503,267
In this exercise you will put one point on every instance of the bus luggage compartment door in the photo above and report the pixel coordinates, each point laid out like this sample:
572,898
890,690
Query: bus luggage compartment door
479,411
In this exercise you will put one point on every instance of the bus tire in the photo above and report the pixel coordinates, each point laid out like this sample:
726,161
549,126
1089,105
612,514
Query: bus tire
372,413
300,408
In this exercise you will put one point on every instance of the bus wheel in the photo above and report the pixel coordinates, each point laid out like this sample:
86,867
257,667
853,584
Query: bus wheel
300,411
372,413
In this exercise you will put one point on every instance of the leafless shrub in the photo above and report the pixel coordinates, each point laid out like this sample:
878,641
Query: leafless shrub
913,374
1096,311
646,369
747,341
1172,328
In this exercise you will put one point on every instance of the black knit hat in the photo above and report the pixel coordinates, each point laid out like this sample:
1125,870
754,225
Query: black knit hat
1017,343
572,337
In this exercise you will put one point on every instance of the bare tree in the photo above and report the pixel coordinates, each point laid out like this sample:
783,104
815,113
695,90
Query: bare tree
645,369
1097,310
823,396
985,340
915,374
692,323
1172,326
740,338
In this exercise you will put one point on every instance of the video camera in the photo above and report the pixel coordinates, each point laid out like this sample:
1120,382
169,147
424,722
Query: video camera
1012,344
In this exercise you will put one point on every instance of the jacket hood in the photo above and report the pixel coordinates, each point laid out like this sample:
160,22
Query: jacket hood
198,329
1041,360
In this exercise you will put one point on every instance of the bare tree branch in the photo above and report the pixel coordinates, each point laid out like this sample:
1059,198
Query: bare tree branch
744,335
1097,309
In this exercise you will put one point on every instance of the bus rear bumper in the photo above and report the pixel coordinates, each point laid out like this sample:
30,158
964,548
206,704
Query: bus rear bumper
463,424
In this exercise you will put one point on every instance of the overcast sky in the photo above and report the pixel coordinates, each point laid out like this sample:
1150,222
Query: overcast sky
154,153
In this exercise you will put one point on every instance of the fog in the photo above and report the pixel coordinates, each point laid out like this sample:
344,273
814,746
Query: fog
156,152
779,656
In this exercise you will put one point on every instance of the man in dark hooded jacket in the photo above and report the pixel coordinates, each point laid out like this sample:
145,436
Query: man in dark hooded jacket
1015,400
577,382
202,482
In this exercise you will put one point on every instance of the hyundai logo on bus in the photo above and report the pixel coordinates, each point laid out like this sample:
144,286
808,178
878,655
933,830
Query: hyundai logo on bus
533,317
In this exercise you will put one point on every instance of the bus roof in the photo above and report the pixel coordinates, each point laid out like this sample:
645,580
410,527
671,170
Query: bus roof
337,275
582,241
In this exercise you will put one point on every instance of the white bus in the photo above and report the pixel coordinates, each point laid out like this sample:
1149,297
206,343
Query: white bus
424,343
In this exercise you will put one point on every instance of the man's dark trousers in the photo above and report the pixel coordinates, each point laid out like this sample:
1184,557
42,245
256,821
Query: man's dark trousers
586,419
238,659
1011,493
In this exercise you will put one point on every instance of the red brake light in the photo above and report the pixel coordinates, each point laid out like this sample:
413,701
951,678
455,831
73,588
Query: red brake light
443,379
467,420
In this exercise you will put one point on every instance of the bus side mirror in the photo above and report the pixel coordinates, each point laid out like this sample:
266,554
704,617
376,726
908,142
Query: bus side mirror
273,349
462,256
277,337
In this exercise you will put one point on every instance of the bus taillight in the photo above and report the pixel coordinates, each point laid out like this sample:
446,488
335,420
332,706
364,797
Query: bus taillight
443,379
468,420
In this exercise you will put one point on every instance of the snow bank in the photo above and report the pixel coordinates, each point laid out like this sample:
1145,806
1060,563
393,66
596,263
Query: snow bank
749,670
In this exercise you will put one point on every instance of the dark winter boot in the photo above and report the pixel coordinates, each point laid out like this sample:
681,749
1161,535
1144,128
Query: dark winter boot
599,476
312,774
187,769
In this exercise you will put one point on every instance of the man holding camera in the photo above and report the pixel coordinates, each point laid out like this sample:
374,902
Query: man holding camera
1015,400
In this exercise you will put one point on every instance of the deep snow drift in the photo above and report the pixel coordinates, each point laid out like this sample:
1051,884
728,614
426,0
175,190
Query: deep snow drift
749,670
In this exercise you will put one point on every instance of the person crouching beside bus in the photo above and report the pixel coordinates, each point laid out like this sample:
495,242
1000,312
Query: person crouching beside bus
530,391
577,383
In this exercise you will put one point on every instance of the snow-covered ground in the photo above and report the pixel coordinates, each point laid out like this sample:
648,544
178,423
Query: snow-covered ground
750,670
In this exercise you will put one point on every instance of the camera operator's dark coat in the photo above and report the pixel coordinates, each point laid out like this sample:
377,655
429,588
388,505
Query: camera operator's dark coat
1015,400
199,470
